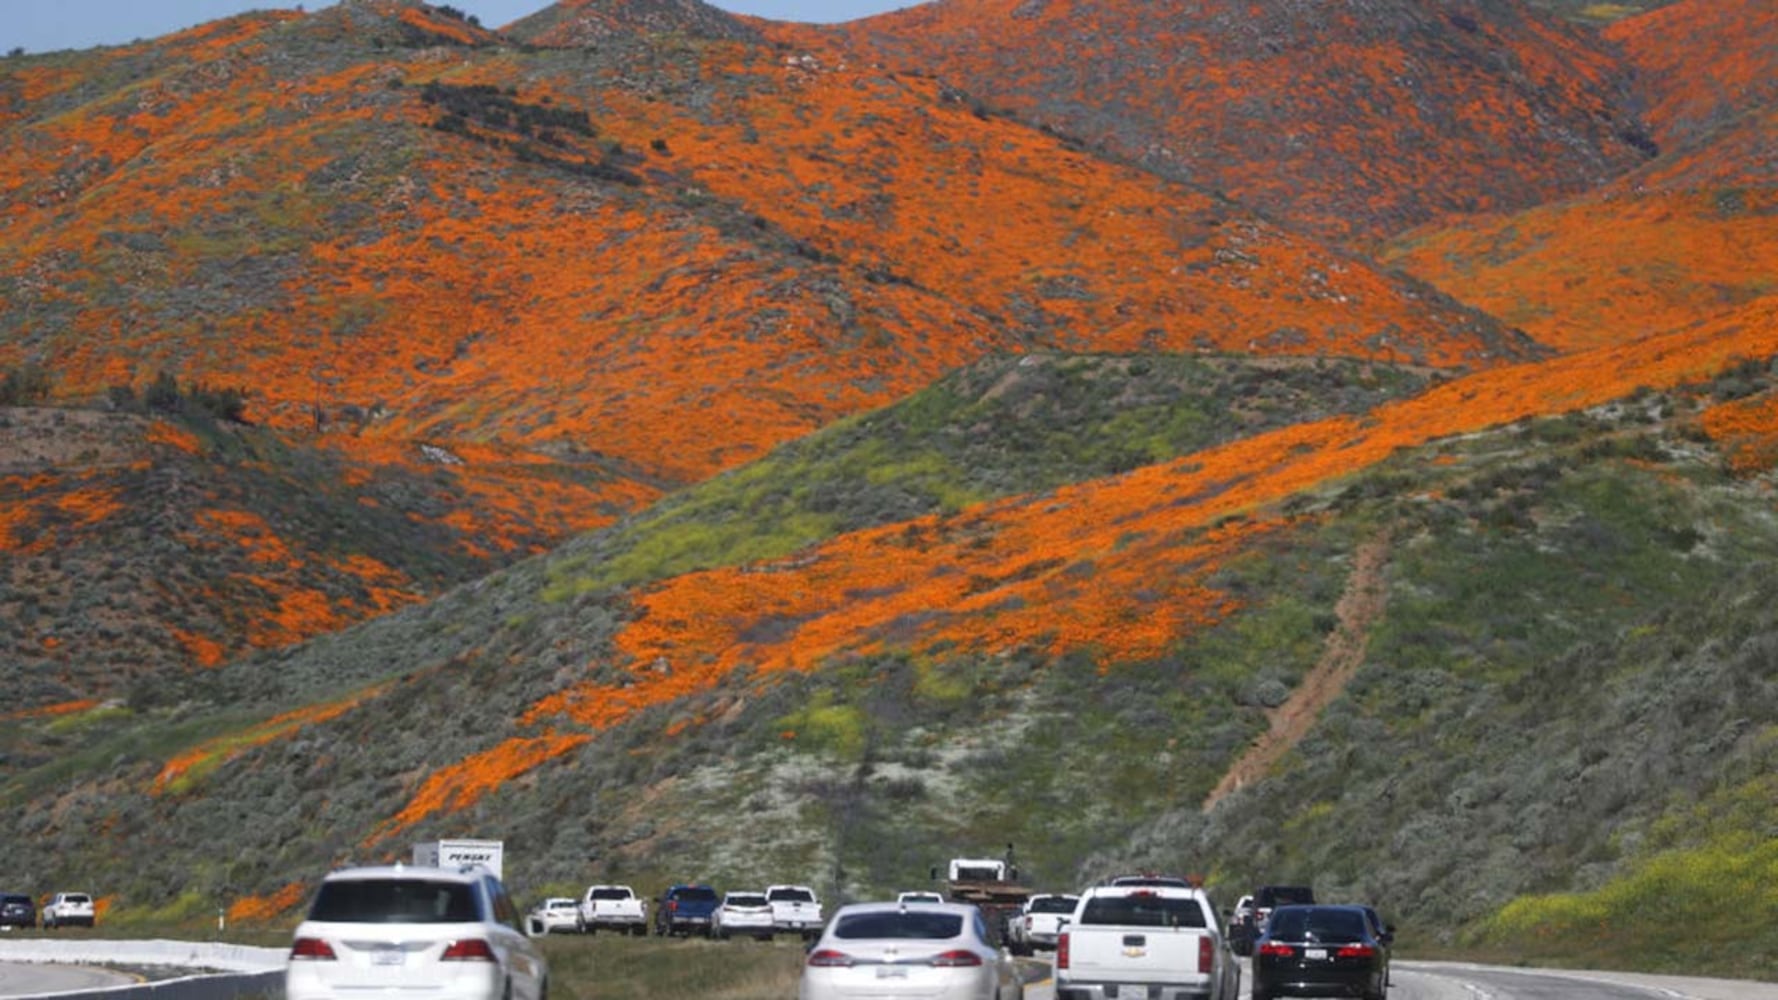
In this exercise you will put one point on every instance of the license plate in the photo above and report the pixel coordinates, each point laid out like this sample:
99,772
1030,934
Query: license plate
1317,954
388,956
1132,993
892,972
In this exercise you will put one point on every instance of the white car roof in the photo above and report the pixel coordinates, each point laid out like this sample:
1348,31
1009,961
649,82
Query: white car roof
896,906
430,874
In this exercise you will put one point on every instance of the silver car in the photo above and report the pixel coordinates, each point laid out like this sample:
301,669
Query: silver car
442,933
920,951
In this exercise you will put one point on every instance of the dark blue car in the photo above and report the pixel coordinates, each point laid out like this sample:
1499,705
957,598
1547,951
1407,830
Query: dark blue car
17,910
1322,951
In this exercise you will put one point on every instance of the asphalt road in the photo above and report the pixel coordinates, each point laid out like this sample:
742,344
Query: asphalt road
21,979
1442,981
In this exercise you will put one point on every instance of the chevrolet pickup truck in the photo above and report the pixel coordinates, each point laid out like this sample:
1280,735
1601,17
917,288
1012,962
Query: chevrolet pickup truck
613,908
1149,942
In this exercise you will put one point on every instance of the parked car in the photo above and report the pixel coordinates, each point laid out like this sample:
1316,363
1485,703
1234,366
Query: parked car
919,897
1039,921
939,950
747,913
557,913
410,930
69,909
1321,950
684,909
17,910
795,910
613,908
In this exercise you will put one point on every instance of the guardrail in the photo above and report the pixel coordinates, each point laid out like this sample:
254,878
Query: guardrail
239,971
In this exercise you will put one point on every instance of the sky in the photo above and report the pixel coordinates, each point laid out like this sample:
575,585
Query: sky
48,25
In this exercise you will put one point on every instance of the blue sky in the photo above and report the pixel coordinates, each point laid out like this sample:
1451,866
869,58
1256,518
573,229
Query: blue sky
47,25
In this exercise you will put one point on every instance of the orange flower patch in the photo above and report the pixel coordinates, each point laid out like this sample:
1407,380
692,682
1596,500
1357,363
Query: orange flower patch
47,711
206,757
204,651
465,782
174,436
1747,431
260,909
253,535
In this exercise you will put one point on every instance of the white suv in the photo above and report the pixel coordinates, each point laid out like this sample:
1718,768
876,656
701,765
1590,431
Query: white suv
451,935
69,909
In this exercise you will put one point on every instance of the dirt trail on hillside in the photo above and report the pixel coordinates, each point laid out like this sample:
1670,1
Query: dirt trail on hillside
1361,605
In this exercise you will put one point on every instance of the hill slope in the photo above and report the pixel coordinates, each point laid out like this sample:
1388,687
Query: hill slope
860,692
658,257
1350,121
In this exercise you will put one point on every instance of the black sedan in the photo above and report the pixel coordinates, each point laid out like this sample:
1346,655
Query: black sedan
1321,951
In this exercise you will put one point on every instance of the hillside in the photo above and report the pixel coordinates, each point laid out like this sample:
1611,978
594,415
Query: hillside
1691,234
1352,122
142,546
658,258
687,446
880,707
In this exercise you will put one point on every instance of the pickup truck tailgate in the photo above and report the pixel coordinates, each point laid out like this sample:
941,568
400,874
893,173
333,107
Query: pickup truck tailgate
1131,955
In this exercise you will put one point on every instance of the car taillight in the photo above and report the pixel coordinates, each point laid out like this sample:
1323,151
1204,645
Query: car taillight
956,959
312,950
1355,951
827,958
1062,950
1206,954
468,950
1276,950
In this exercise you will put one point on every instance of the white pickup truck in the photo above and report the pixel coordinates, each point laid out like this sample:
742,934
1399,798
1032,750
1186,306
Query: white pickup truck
795,910
613,908
1161,942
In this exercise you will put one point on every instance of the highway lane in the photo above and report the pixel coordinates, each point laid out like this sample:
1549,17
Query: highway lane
1455,981
22,979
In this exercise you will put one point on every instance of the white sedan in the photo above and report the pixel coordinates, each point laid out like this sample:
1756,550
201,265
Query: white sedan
746,913
558,913
928,951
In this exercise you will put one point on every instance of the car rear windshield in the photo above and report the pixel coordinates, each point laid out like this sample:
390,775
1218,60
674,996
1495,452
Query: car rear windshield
1052,904
914,925
745,899
612,894
792,896
1315,924
700,893
394,901
1144,910
77,897
16,900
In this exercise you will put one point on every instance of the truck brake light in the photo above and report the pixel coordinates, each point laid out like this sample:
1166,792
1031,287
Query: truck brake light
1206,954
1062,950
